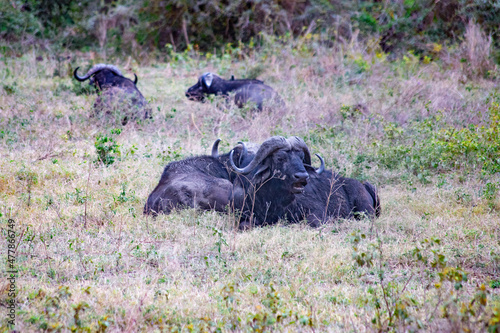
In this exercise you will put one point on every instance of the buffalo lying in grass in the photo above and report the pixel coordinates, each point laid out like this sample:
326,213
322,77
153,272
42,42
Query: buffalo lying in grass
330,196
265,183
325,194
245,91
117,95
202,182
270,182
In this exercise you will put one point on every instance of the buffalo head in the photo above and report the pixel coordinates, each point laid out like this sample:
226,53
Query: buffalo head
271,180
281,158
202,88
103,75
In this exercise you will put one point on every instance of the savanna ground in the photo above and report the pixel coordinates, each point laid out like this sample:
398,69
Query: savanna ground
425,131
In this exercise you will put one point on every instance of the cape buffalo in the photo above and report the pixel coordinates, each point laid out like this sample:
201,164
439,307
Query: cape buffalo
272,179
202,182
245,90
116,94
328,195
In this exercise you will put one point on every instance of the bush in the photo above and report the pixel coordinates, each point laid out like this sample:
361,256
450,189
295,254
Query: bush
433,146
140,27
16,22
107,149
476,52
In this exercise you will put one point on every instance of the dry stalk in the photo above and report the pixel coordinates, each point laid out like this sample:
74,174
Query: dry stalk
87,196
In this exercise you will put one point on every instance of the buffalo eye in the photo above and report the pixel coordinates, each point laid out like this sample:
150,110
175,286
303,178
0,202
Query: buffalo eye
281,157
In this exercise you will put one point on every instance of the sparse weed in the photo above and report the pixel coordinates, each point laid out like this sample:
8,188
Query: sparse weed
431,146
108,151
395,308
170,154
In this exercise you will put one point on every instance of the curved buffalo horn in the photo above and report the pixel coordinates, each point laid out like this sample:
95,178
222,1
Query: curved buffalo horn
215,148
320,170
244,151
297,142
79,78
244,148
269,146
96,69
135,80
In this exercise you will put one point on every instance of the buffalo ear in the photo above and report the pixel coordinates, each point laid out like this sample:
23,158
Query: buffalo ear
207,79
309,168
263,173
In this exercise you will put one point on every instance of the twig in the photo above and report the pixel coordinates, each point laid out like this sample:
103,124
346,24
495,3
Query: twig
47,155
29,190
20,238
381,278
87,197
57,212
128,62
184,30
172,41
406,285
310,28
46,252
192,119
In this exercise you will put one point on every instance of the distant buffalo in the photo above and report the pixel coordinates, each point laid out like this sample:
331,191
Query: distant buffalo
245,91
117,95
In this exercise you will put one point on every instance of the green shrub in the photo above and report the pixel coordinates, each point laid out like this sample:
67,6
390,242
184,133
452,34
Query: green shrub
107,149
433,146
137,28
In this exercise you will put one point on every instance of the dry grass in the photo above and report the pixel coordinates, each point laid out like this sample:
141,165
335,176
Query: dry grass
194,271
476,50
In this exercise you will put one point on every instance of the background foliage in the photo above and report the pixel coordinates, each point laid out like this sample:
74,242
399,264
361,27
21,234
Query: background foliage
143,27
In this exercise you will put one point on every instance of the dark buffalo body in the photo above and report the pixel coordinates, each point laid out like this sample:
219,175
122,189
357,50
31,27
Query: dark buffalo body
199,182
245,91
330,196
116,93
202,182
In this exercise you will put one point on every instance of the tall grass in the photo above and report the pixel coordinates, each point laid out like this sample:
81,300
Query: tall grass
89,260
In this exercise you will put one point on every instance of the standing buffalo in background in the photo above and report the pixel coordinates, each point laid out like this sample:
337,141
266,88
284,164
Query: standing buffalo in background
202,182
271,181
245,90
328,195
118,95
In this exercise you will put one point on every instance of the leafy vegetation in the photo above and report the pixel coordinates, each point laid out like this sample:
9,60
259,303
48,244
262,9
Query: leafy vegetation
137,28
430,146
107,149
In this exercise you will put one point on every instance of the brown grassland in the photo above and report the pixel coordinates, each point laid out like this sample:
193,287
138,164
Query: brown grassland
425,131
